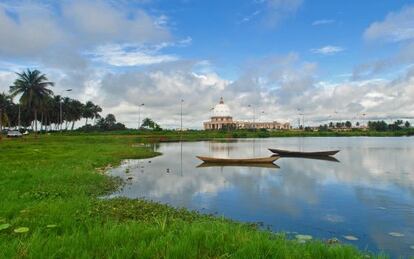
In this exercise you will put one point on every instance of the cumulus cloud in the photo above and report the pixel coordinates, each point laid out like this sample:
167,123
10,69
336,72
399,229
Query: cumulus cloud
83,24
32,29
99,21
328,50
397,26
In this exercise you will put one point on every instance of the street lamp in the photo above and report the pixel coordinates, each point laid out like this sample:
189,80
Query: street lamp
139,115
181,112
254,114
301,112
60,112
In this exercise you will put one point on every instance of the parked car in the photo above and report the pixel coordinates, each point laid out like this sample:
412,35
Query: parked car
14,134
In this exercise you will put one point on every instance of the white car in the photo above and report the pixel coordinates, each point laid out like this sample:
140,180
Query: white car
14,134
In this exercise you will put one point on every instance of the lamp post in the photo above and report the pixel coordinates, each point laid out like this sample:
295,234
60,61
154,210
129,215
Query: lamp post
181,112
300,112
139,115
60,111
254,114
18,119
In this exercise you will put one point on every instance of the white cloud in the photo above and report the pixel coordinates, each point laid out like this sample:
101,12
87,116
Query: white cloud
35,30
397,26
118,55
328,50
322,22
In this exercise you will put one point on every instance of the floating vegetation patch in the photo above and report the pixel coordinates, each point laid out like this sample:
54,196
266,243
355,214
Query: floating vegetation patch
396,234
51,226
4,226
303,238
351,238
21,230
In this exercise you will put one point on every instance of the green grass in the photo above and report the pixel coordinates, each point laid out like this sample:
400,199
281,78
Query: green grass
52,185
170,135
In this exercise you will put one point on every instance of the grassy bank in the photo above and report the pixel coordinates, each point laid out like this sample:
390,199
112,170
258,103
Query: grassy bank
170,135
52,185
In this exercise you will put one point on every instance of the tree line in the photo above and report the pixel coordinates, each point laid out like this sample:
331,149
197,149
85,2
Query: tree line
36,102
372,125
383,126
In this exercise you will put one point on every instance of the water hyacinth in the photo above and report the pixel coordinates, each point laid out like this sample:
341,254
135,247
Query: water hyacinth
396,234
351,238
21,230
303,237
4,226
51,226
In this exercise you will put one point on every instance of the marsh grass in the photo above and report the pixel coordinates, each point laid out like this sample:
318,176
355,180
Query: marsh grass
53,187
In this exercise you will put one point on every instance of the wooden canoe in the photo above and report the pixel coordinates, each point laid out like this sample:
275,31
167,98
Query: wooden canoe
261,165
325,158
282,152
257,160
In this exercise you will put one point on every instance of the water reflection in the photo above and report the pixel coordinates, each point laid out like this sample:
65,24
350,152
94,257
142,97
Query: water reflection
369,194
263,165
325,158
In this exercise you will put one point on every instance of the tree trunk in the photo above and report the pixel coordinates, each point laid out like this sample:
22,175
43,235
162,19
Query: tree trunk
1,121
35,119
86,123
41,122
73,125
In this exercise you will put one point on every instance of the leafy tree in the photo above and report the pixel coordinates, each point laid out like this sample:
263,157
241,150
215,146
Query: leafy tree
104,124
33,88
348,124
377,125
149,123
407,124
5,105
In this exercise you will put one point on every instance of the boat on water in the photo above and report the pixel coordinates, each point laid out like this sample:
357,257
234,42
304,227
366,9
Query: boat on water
282,152
324,158
257,160
261,165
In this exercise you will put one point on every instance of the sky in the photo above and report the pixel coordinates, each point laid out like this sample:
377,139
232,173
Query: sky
269,59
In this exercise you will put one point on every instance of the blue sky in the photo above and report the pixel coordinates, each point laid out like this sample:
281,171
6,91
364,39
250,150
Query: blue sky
332,59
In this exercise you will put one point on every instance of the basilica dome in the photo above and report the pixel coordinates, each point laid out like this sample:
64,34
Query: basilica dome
221,109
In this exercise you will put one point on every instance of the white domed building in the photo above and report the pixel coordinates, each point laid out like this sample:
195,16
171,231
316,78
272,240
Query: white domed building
222,119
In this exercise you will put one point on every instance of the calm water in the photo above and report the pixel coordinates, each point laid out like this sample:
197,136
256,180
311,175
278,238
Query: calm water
367,194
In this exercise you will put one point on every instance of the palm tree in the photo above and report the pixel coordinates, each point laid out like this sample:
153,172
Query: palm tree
96,110
33,87
5,102
88,111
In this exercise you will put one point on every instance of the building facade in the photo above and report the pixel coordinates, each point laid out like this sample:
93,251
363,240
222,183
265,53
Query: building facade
222,119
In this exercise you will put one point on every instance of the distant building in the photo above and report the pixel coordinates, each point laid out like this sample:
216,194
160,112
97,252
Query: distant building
222,119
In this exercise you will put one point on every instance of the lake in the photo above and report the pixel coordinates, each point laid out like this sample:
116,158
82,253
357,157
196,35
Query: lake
367,194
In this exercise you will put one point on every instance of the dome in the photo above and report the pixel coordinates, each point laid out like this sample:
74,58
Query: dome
221,109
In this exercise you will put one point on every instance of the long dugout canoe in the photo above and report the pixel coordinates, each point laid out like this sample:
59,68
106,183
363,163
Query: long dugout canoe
282,152
238,160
